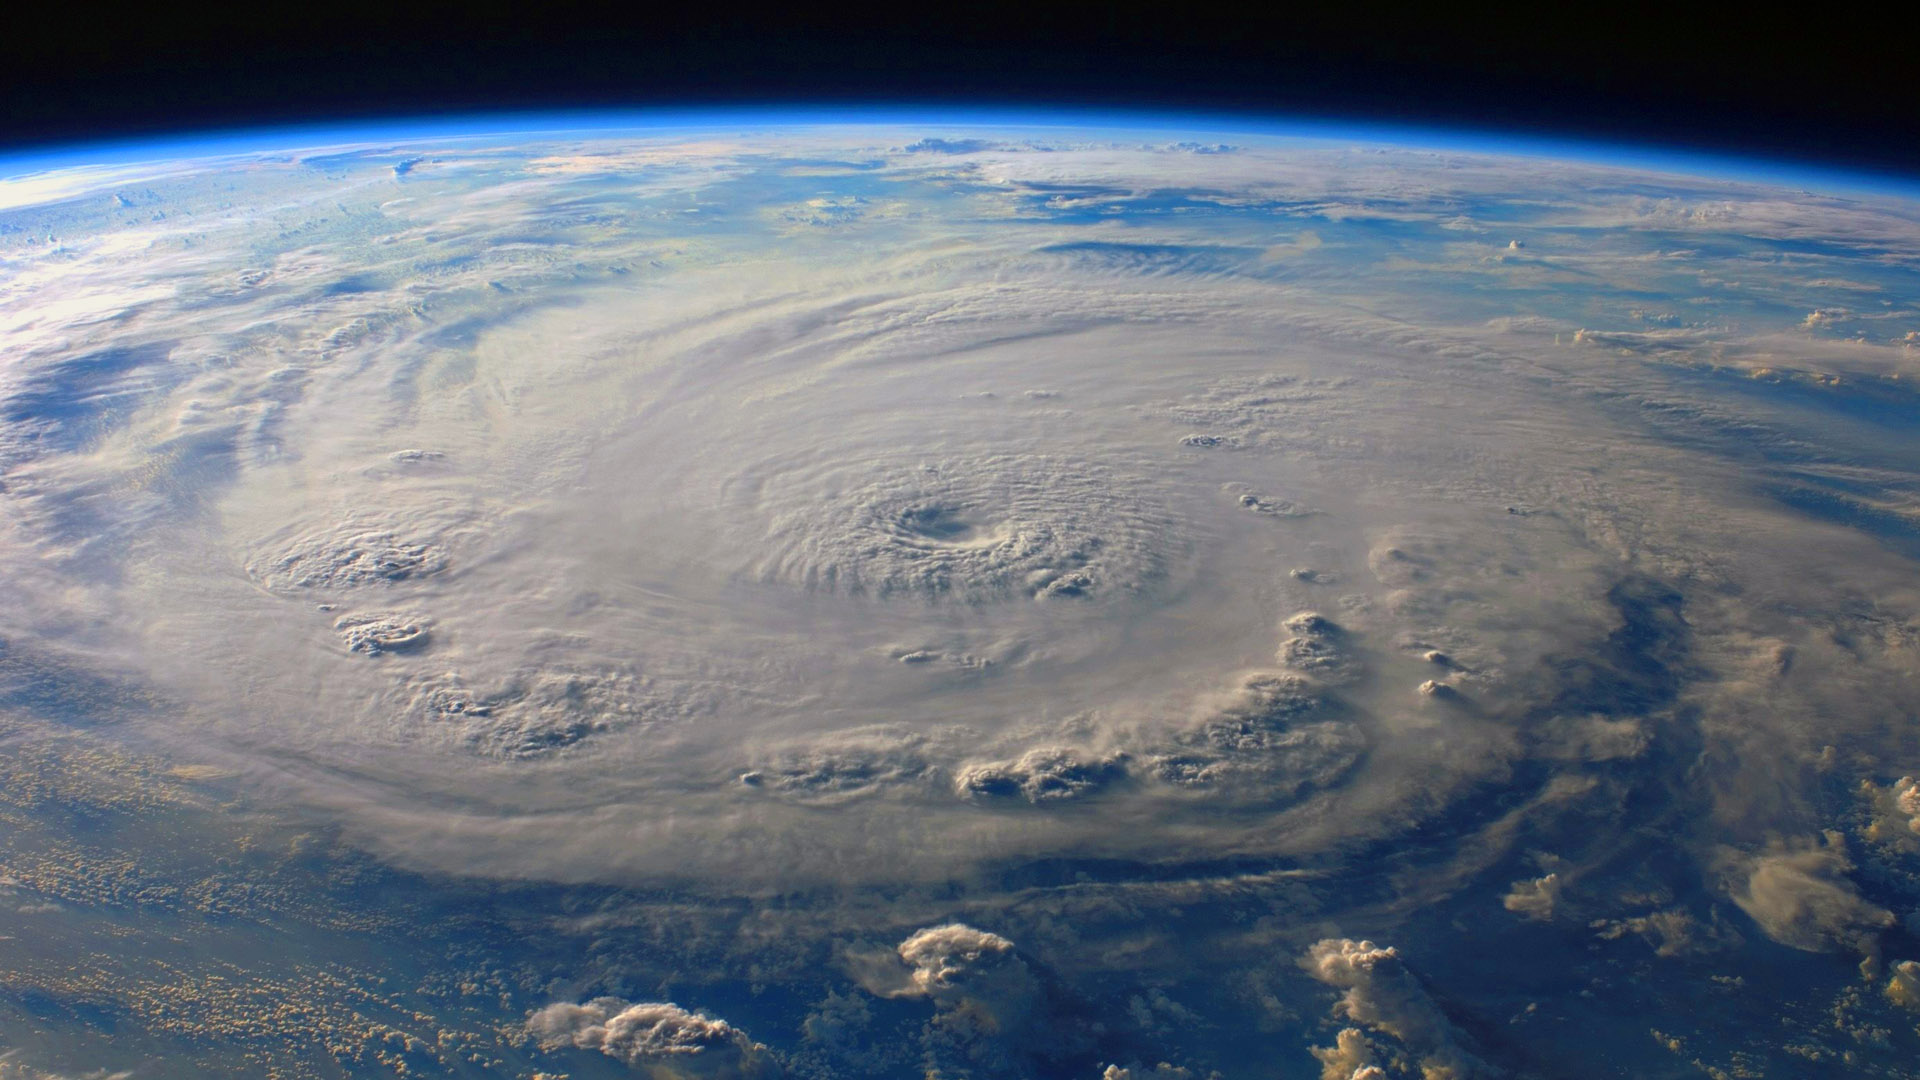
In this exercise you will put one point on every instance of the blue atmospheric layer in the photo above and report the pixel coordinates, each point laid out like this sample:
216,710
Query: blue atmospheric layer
400,134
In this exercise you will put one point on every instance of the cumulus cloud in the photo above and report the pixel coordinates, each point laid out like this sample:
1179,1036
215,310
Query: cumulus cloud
1903,985
1534,898
1382,994
971,972
1351,1057
660,1039
1317,646
1160,1071
991,1013
1895,813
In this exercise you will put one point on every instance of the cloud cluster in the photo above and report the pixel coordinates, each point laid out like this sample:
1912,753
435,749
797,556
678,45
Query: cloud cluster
1380,993
1047,774
1317,646
1351,1057
1896,813
660,1039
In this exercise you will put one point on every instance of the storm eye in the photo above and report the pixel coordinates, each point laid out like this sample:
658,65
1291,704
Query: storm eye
973,528
940,523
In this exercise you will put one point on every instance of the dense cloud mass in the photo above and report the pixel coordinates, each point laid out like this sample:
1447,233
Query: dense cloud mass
956,602
660,1039
963,968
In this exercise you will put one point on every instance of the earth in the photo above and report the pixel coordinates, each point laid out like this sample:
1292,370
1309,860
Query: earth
1100,597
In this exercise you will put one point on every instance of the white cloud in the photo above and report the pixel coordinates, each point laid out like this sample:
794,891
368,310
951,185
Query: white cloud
1351,1057
1534,898
1903,985
660,1039
1381,994
971,972
1160,1071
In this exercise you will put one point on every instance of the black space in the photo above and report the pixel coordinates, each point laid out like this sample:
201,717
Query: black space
1792,84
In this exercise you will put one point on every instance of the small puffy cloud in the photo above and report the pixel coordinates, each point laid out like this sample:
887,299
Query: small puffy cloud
1351,1057
661,1039
1903,986
1382,994
1162,1071
1799,895
1906,795
1534,899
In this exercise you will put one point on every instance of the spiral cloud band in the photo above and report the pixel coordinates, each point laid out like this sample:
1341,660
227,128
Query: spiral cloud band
996,604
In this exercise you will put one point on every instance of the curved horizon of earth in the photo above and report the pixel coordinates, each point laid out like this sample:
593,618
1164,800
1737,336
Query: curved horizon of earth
1122,597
